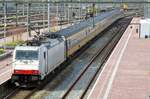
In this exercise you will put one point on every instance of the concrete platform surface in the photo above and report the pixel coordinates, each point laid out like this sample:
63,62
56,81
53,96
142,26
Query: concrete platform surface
126,74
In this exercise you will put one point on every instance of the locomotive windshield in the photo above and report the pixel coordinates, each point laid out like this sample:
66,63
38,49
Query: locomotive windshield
26,55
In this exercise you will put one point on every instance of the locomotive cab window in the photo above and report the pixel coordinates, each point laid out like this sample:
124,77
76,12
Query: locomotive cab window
26,55
44,55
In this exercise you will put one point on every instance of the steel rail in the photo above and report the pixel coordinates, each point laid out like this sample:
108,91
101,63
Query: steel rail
112,45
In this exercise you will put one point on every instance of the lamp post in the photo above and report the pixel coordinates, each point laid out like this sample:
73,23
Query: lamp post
28,19
48,16
68,13
93,7
80,6
16,14
5,24
23,9
43,16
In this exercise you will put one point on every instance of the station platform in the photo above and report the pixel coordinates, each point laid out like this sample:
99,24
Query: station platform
126,74
5,70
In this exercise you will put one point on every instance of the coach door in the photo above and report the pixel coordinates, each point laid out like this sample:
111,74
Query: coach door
45,61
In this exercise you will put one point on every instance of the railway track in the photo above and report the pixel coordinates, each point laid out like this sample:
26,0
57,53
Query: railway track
69,93
20,93
103,53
